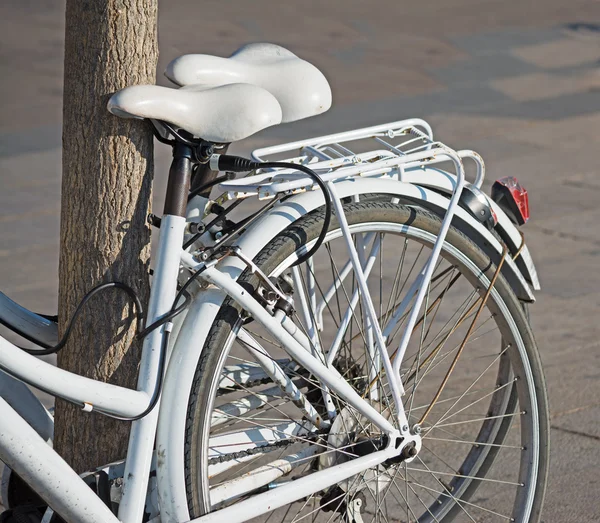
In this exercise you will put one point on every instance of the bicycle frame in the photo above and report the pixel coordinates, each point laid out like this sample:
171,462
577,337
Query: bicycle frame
124,402
78,502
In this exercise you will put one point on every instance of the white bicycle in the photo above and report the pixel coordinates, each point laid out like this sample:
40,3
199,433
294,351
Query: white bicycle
355,350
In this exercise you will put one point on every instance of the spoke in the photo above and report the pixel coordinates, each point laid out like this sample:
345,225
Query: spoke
276,373
480,399
336,278
461,502
472,385
307,313
418,358
477,443
420,407
449,333
405,498
232,416
343,274
339,497
490,480
408,483
342,286
244,405
444,487
438,300
297,437
399,293
479,419
433,365
395,284
440,459
482,302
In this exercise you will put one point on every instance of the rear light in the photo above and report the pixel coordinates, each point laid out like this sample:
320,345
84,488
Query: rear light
512,198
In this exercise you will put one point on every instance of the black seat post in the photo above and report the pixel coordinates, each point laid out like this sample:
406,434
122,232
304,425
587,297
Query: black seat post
178,185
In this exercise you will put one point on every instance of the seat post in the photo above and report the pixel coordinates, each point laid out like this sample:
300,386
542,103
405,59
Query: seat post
204,174
178,185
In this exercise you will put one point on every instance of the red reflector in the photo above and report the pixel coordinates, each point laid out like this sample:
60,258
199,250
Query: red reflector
512,197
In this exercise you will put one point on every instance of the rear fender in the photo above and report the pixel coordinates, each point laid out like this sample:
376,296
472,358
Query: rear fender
444,182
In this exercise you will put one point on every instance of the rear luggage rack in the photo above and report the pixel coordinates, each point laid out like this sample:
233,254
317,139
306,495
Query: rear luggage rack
396,150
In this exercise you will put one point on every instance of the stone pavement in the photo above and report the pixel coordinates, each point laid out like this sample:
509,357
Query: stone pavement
518,82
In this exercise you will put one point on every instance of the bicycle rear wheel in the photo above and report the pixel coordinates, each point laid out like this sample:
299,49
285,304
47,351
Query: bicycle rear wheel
486,434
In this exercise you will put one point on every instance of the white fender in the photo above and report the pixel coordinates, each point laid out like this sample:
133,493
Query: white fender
205,306
442,181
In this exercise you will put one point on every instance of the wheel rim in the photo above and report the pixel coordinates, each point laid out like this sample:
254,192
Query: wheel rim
432,499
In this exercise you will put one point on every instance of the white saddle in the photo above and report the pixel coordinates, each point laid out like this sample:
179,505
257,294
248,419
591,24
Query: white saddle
300,88
227,99
222,114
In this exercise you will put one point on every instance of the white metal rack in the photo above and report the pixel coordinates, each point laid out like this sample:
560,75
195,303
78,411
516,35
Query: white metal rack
388,150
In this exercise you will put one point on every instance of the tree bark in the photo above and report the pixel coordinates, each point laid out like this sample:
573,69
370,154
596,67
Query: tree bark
106,196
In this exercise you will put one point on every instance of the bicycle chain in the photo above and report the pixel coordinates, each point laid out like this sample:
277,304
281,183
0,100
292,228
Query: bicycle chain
265,449
249,385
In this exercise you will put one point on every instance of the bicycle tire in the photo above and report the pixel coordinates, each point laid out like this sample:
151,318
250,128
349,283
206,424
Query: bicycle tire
412,220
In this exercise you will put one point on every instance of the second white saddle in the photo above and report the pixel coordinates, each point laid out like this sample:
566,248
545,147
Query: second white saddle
299,87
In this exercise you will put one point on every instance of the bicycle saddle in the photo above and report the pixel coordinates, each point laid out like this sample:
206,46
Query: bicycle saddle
221,114
300,88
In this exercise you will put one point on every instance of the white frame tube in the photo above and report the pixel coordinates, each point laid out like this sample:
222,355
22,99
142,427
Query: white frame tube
300,488
435,254
279,377
113,399
143,431
327,375
51,477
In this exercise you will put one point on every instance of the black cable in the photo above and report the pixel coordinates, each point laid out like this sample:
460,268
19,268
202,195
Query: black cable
142,333
104,286
179,137
167,317
157,390
164,347
160,137
175,310
212,183
249,219
239,164
328,207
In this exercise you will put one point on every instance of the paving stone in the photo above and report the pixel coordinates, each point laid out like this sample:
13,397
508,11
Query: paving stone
582,421
572,480
482,69
538,86
560,53
492,42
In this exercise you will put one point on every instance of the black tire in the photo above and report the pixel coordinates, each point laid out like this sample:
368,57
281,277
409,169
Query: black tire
300,233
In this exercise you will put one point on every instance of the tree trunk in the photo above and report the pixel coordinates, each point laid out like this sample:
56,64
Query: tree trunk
106,196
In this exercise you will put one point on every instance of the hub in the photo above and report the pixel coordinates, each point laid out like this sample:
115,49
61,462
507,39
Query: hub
355,436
